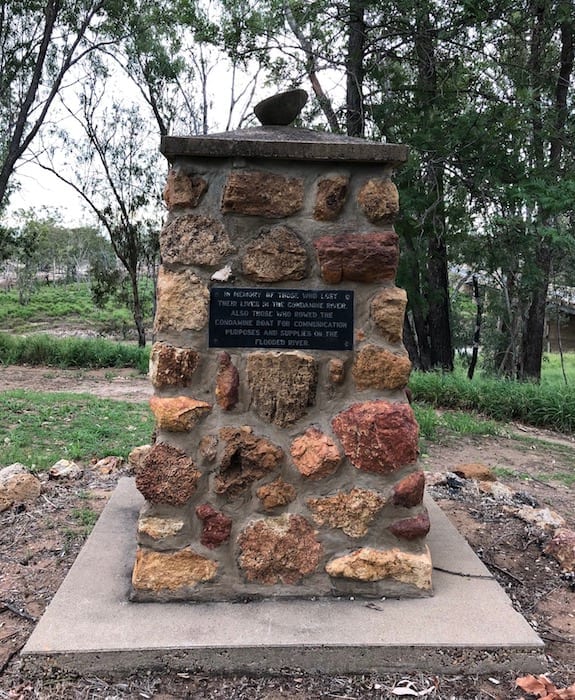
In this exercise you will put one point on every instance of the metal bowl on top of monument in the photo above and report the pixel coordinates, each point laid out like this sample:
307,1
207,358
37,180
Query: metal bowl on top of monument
281,109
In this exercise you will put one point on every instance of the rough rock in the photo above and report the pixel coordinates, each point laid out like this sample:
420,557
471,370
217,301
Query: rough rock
275,494
65,469
276,255
377,368
17,485
336,370
409,491
477,471
183,190
315,454
108,465
562,548
182,301
359,257
367,564
137,455
260,193
388,312
194,239
227,382
167,475
379,200
411,528
378,436
172,366
208,447
170,571
160,529
282,385
278,550
216,527
543,518
330,197
351,512
245,459
178,414
499,491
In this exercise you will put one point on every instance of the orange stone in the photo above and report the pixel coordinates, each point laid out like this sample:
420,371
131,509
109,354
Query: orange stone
315,454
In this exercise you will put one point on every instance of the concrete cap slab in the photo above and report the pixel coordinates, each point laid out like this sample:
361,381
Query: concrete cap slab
284,142
468,626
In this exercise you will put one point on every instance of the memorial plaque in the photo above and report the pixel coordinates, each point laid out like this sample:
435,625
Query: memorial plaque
315,319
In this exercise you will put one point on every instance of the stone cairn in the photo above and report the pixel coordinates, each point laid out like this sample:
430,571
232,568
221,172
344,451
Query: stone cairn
280,469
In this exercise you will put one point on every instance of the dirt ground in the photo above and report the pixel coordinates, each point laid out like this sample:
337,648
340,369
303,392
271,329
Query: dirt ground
38,544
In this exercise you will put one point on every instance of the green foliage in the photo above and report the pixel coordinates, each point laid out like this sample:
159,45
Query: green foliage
70,303
39,429
547,405
434,424
46,350
86,517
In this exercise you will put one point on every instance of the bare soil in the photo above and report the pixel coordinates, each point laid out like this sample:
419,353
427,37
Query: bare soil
39,542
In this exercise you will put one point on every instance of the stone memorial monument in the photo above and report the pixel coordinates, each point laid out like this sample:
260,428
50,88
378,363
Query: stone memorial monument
285,463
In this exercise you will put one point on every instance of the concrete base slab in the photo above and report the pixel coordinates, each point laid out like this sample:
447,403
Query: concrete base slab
469,626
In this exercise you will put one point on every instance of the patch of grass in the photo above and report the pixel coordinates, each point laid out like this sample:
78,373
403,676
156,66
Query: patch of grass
434,424
43,349
567,478
85,516
38,429
547,405
506,473
68,303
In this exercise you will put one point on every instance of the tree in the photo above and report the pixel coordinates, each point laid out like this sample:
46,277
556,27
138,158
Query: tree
41,42
118,175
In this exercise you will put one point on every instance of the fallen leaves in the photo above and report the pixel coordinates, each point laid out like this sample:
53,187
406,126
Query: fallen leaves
542,687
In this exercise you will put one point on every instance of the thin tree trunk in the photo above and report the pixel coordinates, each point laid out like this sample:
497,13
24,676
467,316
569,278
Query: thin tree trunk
477,329
307,48
433,223
355,118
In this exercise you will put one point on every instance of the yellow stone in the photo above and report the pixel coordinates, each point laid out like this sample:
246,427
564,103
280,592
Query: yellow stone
367,564
179,413
169,571
377,368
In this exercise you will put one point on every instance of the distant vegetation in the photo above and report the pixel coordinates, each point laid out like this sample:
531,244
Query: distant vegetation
69,304
550,404
43,349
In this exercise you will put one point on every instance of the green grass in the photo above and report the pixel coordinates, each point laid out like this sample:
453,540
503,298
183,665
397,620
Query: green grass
86,517
549,405
38,429
43,349
434,424
552,373
70,303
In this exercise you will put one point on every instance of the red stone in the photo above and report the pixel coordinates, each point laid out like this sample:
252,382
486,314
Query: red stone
279,550
358,257
409,491
216,526
245,459
227,383
378,436
167,475
411,528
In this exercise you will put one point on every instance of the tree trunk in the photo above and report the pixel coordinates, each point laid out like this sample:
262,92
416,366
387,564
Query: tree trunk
477,329
438,317
137,310
355,118
433,223
534,328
